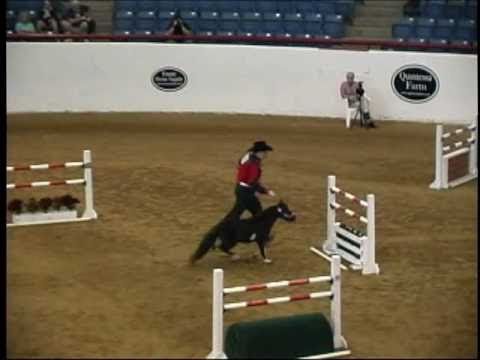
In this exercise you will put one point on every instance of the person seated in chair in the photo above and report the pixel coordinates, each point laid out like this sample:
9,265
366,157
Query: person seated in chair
354,92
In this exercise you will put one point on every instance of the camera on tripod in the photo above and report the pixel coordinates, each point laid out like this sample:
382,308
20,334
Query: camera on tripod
360,90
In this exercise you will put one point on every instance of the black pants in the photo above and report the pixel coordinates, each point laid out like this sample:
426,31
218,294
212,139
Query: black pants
245,199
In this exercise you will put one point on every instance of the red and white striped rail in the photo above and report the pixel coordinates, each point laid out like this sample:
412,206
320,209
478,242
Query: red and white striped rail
46,183
72,164
356,250
349,196
349,212
458,131
277,284
458,144
447,155
278,300
87,180
334,295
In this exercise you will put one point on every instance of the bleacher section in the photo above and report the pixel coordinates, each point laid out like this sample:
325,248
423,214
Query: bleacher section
33,7
309,19
440,22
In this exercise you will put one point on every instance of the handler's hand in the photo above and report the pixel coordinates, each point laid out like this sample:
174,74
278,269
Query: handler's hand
271,193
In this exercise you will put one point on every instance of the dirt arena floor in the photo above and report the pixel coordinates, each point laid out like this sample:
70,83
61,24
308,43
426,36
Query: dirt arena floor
121,286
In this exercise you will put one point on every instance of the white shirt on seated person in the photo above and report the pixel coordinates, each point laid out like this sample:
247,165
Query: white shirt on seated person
348,90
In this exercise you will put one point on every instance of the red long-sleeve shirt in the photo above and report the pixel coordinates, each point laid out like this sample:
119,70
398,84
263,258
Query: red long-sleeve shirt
249,172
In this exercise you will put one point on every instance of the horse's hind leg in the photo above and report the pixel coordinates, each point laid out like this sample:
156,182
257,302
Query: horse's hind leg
226,248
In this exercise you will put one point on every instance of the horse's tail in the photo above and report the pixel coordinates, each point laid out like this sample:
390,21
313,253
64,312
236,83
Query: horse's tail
207,243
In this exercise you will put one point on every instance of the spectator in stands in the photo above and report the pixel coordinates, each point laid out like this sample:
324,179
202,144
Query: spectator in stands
354,93
48,19
24,25
412,8
178,26
76,19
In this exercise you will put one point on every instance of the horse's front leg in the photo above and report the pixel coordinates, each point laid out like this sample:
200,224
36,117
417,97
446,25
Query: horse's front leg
261,246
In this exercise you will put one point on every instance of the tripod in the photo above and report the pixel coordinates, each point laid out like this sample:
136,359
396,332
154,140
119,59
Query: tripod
359,114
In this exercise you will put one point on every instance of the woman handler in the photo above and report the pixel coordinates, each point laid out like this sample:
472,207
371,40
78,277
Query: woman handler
249,172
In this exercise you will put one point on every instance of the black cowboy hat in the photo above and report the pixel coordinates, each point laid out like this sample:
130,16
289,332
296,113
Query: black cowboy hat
260,146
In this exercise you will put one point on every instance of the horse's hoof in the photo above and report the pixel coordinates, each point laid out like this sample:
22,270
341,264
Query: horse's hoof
235,257
267,261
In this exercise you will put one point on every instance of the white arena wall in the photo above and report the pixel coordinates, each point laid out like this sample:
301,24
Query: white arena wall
298,81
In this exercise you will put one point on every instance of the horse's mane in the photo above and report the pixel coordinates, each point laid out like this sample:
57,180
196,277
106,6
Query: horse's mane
262,215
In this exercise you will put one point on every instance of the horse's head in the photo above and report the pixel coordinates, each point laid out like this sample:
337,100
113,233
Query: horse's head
284,212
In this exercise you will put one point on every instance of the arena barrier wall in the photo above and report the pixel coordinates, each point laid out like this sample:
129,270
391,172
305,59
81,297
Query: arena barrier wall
270,80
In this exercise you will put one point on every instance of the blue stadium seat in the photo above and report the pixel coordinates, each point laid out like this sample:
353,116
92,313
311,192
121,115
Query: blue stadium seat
286,6
470,11
243,5
11,19
460,42
166,5
324,7
161,25
15,6
345,8
466,30
230,15
225,33
146,15
266,6
125,24
404,28
333,18
205,5
124,14
272,16
144,31
145,24
227,6
273,27
314,28
207,25
293,17
305,7
415,40
209,15
454,11
25,5
188,14
122,32
165,14
433,9
187,5
147,5
294,28
251,16
229,25
424,28
443,42
126,5
333,29
444,29
251,26
313,17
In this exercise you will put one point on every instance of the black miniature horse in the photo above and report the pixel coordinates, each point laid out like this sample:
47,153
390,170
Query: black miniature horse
228,232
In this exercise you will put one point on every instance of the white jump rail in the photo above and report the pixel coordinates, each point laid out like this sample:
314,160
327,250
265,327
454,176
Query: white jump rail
359,251
447,155
87,181
219,306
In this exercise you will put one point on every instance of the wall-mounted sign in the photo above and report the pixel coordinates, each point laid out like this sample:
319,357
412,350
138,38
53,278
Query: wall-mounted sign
169,79
415,83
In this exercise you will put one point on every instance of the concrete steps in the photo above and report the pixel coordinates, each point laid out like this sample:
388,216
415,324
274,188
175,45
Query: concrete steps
101,11
374,18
